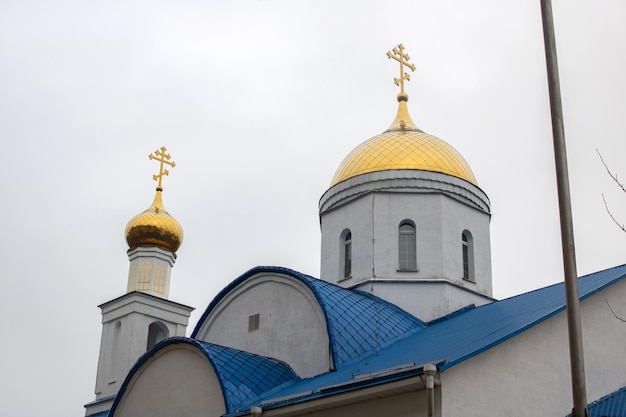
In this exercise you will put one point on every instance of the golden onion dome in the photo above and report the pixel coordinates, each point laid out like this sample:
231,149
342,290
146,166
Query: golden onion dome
404,146
154,227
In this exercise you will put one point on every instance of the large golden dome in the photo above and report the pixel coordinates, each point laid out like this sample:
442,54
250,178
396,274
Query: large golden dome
154,227
404,146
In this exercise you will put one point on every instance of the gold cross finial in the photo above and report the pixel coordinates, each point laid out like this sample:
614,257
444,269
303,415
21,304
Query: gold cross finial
398,54
163,157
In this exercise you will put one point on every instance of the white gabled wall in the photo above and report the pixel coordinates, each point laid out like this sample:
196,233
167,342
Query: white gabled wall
178,381
529,375
291,325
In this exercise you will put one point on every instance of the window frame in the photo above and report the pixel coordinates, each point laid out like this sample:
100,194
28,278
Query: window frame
467,256
345,257
407,246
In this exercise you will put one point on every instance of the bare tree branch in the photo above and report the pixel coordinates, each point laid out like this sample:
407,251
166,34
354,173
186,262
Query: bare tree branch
621,226
613,176
616,316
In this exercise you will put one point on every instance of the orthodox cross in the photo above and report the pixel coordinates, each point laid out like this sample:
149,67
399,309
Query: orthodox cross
163,157
398,54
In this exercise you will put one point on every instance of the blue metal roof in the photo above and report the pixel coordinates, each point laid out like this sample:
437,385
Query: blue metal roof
357,322
612,405
393,347
243,376
449,342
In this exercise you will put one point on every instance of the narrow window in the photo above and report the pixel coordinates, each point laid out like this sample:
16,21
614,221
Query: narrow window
347,255
132,277
468,256
115,352
159,278
407,253
253,323
145,273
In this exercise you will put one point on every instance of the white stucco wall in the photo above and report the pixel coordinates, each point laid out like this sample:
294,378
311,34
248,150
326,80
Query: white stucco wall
177,382
374,219
125,325
374,213
529,375
441,207
292,327
427,300
160,262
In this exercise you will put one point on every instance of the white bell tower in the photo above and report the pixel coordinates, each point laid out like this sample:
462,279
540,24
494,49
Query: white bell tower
136,321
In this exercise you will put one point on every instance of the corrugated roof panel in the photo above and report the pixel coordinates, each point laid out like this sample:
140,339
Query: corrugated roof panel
612,405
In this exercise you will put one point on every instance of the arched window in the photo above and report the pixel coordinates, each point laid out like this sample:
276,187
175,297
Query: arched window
468,255
157,331
407,247
346,253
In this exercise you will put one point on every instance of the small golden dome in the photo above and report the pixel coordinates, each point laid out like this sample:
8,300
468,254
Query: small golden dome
154,227
404,146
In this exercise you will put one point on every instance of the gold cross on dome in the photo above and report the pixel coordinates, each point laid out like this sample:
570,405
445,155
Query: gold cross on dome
398,54
163,157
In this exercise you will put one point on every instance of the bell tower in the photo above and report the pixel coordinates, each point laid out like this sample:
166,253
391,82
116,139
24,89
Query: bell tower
137,320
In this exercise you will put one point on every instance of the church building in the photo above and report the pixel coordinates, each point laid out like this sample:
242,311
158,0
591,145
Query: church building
401,321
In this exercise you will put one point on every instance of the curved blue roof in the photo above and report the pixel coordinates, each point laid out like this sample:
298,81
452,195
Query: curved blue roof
357,322
384,342
243,376
451,340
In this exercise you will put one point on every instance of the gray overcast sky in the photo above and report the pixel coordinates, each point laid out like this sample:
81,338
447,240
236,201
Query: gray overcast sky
258,103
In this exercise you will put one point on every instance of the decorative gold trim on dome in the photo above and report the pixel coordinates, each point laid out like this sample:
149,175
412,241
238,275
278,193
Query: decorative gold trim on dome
403,145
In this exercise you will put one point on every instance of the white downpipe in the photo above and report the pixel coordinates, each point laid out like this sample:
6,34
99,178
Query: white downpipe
429,371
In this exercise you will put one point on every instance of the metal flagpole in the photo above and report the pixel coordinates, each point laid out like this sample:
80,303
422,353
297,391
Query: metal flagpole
577,362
